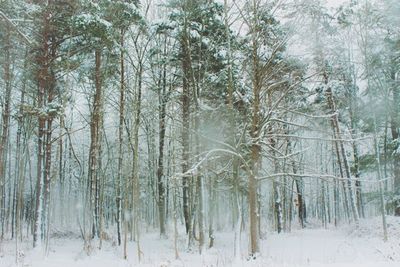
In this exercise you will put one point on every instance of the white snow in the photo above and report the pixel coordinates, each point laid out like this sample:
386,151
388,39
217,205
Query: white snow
346,246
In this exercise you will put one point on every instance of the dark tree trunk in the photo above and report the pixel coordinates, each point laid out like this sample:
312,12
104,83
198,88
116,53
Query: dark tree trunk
43,75
161,140
94,146
185,131
120,138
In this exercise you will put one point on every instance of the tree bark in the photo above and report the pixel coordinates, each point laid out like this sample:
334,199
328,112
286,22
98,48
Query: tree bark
161,139
43,82
19,169
5,119
186,133
94,146
120,137
136,181
255,147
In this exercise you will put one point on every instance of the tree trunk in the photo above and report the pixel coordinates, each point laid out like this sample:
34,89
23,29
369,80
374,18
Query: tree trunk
94,146
341,150
48,143
5,127
43,83
380,185
136,181
353,108
19,170
120,138
161,139
185,133
255,147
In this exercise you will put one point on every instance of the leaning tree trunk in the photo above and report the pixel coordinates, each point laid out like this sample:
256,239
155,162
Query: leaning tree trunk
341,150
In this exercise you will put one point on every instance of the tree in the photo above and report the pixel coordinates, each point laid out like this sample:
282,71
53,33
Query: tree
52,33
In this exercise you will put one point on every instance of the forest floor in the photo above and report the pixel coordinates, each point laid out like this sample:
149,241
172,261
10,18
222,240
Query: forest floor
347,246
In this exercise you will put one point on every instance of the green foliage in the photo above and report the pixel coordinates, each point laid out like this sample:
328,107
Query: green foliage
98,25
367,162
201,23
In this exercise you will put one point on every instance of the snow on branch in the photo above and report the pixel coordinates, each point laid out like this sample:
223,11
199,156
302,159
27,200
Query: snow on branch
322,139
21,34
194,168
313,175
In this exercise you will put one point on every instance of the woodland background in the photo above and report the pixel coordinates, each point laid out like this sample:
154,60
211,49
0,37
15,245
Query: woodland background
125,117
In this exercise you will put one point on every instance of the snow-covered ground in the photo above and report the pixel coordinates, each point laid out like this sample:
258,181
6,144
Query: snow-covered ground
346,246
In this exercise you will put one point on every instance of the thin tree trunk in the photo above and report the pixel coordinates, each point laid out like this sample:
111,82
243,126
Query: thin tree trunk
161,139
48,144
381,196
185,134
61,171
199,183
211,211
94,146
341,152
120,137
5,127
100,181
136,182
255,147
19,170
353,107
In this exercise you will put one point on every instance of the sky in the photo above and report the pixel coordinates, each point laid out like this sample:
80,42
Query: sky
335,3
